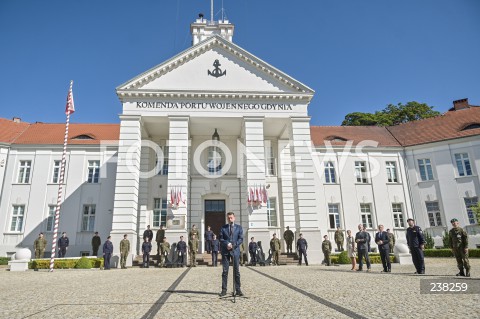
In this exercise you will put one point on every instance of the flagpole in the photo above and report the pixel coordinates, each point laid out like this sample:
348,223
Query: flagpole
62,175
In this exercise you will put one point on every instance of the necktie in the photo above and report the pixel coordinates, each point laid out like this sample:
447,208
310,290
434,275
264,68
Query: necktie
231,230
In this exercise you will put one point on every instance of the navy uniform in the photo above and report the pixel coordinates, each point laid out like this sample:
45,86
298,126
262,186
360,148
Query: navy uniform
458,242
208,236
146,249
63,244
96,242
215,249
252,250
181,251
416,242
148,233
302,247
107,253
383,242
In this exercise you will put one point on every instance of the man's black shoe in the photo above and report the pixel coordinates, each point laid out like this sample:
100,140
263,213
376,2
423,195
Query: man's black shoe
461,274
223,293
239,293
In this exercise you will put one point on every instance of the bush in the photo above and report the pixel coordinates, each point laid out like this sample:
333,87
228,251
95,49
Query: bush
446,239
83,263
65,263
343,258
473,253
374,258
4,260
429,241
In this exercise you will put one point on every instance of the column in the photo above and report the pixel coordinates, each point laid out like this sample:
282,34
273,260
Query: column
125,206
286,185
304,188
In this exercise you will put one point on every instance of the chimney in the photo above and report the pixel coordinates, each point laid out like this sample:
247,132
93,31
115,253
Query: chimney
17,120
460,104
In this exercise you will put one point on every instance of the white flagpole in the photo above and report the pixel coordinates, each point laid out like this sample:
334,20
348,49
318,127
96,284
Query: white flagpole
60,185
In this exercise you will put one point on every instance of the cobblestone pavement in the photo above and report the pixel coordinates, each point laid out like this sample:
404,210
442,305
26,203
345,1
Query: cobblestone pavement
271,292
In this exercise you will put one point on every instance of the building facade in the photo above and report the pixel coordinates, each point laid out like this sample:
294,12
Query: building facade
215,129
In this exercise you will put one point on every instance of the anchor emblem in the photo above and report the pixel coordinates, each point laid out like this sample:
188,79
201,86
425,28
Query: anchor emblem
217,72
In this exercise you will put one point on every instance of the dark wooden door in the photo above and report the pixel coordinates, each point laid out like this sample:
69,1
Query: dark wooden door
215,215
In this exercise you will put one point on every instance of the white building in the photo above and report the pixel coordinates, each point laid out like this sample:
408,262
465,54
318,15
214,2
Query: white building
211,125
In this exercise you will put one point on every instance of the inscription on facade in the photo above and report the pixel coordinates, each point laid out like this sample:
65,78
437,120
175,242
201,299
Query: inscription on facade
214,106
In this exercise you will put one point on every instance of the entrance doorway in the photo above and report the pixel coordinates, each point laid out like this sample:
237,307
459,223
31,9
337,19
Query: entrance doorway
215,214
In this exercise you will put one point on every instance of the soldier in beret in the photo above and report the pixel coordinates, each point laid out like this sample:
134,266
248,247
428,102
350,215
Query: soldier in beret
458,241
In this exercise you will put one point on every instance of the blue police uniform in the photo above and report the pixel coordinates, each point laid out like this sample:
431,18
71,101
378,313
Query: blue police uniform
181,251
146,249
252,249
415,240
208,240
107,253
215,249
302,246
63,243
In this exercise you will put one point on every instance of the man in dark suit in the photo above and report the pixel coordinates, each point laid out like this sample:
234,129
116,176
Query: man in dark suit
382,240
231,237
107,253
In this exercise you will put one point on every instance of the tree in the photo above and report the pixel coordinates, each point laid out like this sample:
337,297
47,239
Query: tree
476,212
446,239
429,241
391,115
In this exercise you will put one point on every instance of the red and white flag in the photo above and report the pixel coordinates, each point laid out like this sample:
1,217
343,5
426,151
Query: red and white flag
70,107
264,194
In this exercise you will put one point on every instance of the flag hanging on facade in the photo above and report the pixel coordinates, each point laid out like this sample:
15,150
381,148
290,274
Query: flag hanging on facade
70,107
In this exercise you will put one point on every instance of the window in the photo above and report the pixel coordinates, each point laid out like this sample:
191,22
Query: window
159,212
50,217
272,212
361,172
463,164
398,220
434,215
333,216
425,167
392,172
330,173
56,171
17,218
215,157
88,218
469,202
24,172
366,214
270,160
93,171
163,170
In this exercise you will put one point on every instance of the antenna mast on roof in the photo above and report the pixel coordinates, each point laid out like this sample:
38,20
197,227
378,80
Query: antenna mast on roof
211,11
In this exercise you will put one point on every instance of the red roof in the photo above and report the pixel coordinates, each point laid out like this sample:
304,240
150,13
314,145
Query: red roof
447,126
10,130
339,135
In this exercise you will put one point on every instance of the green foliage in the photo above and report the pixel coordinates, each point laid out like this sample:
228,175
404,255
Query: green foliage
65,263
374,258
446,239
83,263
429,241
476,212
4,260
391,115
343,258
472,253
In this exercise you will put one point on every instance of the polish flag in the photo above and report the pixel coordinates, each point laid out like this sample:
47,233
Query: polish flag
249,197
265,196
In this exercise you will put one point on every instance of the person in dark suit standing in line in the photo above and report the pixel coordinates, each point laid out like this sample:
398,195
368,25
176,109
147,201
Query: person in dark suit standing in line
252,249
107,253
181,251
231,237
382,240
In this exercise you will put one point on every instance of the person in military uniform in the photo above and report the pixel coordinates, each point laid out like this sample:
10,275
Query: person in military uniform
416,244
362,238
215,249
146,249
63,244
193,231
39,246
391,240
181,251
302,247
275,248
193,248
164,251
288,236
96,242
339,239
252,250
159,238
327,250
208,236
458,242
148,233
124,250
381,238
107,253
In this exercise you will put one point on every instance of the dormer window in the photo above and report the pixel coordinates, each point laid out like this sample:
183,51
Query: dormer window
335,138
83,137
471,126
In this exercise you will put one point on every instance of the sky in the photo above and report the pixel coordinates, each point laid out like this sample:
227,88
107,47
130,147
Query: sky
358,55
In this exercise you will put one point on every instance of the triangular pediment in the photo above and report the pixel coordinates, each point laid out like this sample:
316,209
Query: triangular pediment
195,71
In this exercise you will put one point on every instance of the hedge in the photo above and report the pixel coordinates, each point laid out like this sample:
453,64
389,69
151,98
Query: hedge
65,263
374,258
473,253
4,260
